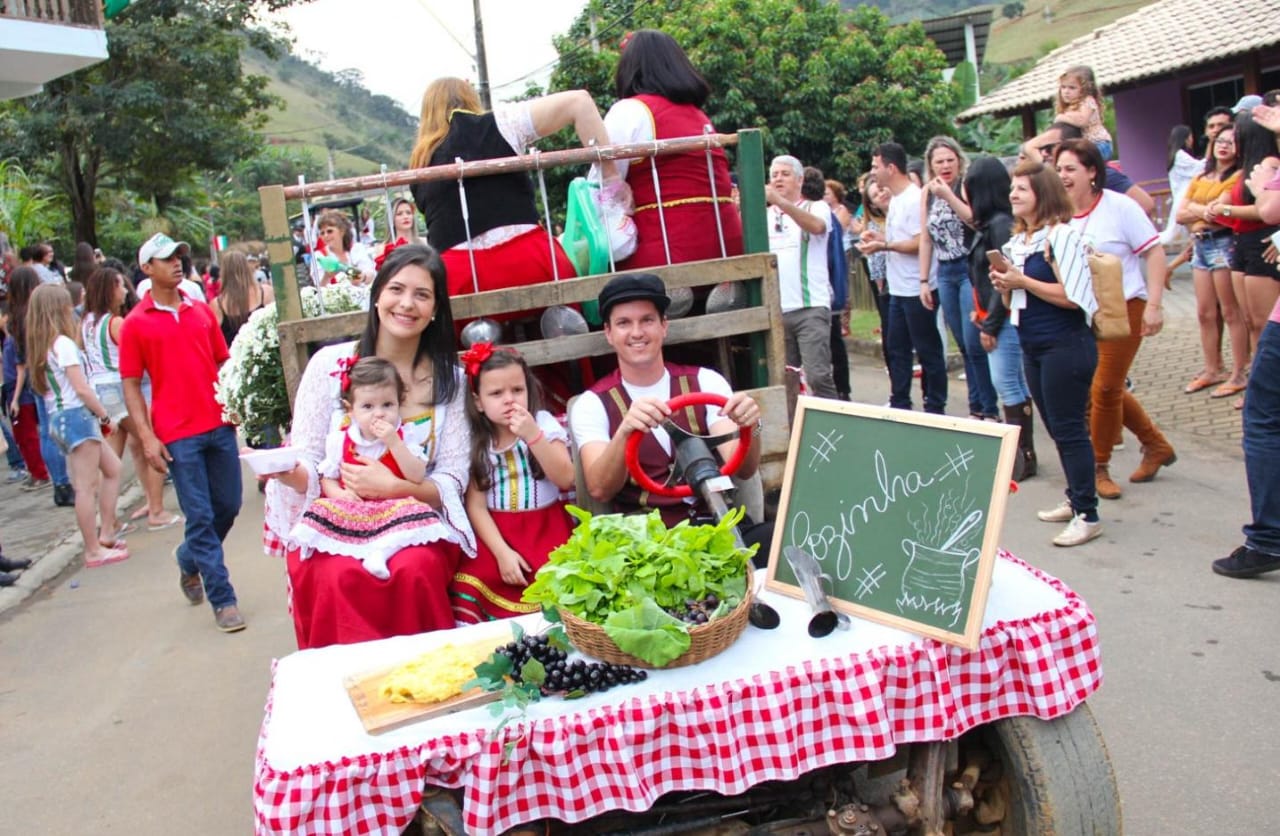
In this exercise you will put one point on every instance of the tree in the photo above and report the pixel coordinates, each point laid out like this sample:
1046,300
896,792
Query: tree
825,85
1013,10
170,100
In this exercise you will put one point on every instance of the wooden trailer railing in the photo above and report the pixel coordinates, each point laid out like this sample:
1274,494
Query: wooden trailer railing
761,319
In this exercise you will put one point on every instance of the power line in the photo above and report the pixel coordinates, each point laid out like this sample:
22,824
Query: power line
581,47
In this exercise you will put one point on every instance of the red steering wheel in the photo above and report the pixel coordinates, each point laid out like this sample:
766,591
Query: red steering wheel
680,491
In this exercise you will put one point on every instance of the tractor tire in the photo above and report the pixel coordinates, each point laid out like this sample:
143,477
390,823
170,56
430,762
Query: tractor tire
1059,776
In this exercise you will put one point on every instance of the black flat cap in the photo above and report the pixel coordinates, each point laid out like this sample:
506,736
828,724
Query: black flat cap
631,287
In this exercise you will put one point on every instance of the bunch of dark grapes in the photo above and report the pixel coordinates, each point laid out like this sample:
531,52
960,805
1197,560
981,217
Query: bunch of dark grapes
564,676
696,610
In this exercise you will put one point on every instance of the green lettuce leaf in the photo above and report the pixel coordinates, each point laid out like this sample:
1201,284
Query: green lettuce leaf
648,633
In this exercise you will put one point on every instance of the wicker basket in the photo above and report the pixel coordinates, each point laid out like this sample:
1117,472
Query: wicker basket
706,640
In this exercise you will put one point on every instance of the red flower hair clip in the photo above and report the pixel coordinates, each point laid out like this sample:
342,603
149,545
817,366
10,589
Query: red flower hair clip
343,372
377,261
473,358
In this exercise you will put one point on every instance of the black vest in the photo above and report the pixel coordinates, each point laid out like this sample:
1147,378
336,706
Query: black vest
492,201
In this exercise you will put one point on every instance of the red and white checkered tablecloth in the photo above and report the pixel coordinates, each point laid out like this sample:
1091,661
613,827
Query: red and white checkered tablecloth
774,706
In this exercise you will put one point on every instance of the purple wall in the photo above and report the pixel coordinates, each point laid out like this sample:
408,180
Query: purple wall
1144,117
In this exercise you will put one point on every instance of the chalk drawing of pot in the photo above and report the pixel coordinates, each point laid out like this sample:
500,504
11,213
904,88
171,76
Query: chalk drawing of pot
935,578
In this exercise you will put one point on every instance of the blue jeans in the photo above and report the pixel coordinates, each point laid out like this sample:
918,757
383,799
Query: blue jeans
913,328
206,477
1104,148
1060,373
1005,364
955,292
13,454
1262,443
49,450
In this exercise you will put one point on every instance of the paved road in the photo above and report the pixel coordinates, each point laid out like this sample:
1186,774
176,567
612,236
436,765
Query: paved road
122,710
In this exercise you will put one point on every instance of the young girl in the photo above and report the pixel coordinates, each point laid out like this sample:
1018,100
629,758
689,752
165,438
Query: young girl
1079,102
343,522
519,466
75,417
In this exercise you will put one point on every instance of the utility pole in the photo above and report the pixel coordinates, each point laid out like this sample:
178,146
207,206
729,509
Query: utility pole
482,67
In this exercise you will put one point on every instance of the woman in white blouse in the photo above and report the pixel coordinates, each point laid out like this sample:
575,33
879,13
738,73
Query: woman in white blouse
334,600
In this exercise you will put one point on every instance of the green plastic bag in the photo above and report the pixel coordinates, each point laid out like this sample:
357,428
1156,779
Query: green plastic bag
585,240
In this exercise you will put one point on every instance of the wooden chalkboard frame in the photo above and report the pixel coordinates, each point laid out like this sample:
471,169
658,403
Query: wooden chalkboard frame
994,517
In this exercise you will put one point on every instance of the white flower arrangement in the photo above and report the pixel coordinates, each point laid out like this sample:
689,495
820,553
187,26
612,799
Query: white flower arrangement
251,385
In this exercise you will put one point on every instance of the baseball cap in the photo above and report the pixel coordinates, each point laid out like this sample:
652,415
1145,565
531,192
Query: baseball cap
1248,102
161,246
631,287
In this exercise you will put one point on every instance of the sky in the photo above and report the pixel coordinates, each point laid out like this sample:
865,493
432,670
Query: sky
402,45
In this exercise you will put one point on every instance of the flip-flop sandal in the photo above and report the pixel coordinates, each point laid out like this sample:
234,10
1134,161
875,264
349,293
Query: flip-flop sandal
107,556
1226,390
117,543
173,520
126,528
1199,384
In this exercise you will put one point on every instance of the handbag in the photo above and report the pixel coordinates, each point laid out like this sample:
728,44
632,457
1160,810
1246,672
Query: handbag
1111,320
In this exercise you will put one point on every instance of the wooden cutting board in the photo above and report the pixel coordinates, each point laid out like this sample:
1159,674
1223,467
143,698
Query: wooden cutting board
379,714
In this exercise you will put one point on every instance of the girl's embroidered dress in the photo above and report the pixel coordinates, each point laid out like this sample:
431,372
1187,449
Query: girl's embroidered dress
370,531
530,516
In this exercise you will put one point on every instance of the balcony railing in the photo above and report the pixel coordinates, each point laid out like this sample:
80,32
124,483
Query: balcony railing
64,12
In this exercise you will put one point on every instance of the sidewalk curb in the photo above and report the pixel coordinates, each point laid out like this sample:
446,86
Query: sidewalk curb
55,561
871,348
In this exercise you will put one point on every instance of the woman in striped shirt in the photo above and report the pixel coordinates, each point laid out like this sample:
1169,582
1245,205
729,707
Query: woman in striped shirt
1047,286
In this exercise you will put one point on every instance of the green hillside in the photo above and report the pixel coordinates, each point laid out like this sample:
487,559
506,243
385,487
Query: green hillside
1031,36
1025,38
323,111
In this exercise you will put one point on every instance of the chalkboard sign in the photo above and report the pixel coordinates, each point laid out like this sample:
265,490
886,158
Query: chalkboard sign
900,509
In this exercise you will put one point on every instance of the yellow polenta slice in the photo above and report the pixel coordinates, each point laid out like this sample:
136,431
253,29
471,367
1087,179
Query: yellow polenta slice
436,675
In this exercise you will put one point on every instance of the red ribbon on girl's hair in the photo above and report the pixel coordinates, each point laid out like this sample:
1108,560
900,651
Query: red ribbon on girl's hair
626,39
473,358
377,261
343,372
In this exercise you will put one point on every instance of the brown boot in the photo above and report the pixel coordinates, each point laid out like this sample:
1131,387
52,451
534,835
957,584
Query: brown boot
1107,488
1154,457
1024,465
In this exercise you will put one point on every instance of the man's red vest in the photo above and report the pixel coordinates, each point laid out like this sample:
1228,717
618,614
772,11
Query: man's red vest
653,459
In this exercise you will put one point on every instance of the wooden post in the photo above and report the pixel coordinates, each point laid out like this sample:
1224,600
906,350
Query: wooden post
755,226
755,233
275,223
1028,122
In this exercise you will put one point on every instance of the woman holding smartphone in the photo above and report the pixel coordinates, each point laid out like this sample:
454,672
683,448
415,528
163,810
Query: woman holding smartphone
1049,290
986,188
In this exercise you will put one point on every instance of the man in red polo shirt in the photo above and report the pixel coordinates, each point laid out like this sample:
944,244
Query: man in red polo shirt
176,340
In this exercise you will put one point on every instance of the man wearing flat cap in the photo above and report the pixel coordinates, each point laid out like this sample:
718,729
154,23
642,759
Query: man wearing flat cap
634,399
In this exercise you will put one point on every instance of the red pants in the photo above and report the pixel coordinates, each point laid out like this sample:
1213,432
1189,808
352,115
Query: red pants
26,432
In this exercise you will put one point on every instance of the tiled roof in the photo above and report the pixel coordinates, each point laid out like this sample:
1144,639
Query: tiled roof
1161,38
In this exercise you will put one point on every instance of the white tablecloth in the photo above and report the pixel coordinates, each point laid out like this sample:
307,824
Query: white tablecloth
775,705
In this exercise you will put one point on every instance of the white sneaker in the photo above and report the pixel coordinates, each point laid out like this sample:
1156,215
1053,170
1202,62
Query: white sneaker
1061,513
1078,531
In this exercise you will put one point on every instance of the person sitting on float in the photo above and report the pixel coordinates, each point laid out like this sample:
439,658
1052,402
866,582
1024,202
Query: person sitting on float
344,254
636,398
500,227
661,96
334,600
